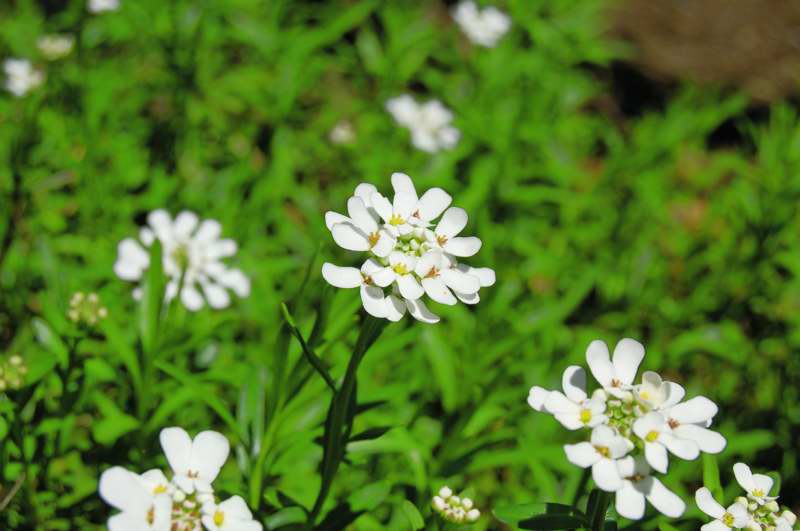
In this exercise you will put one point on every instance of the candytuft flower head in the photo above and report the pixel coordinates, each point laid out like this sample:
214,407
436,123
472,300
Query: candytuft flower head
101,6
429,123
734,517
86,310
454,509
151,502
12,373
408,254
756,485
634,427
21,76
483,27
55,47
192,257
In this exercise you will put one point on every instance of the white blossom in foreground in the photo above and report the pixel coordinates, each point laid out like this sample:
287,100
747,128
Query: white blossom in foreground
634,426
408,254
101,6
192,260
55,47
757,510
428,122
187,502
483,27
454,509
21,76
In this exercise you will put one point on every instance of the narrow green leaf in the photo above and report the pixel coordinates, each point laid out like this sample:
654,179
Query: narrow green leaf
711,475
512,514
310,355
548,522
152,300
413,515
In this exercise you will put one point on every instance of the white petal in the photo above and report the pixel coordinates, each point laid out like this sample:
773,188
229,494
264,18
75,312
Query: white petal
571,421
708,441
706,502
382,206
606,476
332,218
463,247
460,282
122,490
404,204
573,381
452,223
744,476
468,298
438,291
236,280
485,275
763,483
216,295
409,287
433,203
208,231
360,216
341,277
132,260
386,243
349,237
127,522
683,448
191,298
177,446
209,452
603,436
666,501
402,183
161,224
235,507
420,312
675,394
628,354
698,409
582,454
716,525
395,308
365,191
537,397
373,300
630,502
185,223
599,363
652,421
656,456
221,248
558,403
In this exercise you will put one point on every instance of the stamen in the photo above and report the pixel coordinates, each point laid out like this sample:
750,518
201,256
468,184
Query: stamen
652,436
586,415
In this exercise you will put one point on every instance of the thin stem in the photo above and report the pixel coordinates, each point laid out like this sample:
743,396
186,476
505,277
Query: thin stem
581,489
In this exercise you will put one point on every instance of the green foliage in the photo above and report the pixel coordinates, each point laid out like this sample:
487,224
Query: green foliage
599,223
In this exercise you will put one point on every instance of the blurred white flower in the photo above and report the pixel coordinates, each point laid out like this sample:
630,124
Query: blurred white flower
404,255
55,47
638,485
617,375
230,515
734,517
192,255
601,453
139,508
21,76
455,509
756,485
429,123
483,27
197,462
101,6
86,310
342,133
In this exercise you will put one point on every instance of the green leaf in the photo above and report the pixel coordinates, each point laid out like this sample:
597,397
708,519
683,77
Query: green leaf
513,514
371,433
114,423
310,355
711,475
152,300
596,508
547,522
412,513
50,340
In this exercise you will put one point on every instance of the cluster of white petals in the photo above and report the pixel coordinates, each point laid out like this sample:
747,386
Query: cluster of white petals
151,502
192,259
408,253
428,122
756,511
55,46
21,76
484,27
102,6
634,427
454,509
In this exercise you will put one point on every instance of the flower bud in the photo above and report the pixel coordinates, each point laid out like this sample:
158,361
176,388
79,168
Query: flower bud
445,492
473,515
772,506
178,496
466,503
789,516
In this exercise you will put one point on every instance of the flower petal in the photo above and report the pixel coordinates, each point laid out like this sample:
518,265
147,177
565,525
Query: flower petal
599,363
630,502
582,454
132,260
409,287
573,381
185,223
360,215
763,483
236,280
210,450
716,525
216,295
663,499
683,448
374,301
122,489
342,277
706,502
438,291
463,247
537,397
628,355
161,224
177,446
420,312
382,206
209,230
558,403
402,183
606,476
191,298
332,218
452,223
696,410
385,244
404,205
744,476
708,441
656,456
460,282
433,203
395,308
348,236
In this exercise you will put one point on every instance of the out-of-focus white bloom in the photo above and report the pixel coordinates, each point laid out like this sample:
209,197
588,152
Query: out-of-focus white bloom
734,517
230,515
453,508
342,133
601,453
572,408
21,76
429,123
756,485
405,255
101,6
197,462
55,47
139,508
617,375
192,255
483,27
638,485
86,309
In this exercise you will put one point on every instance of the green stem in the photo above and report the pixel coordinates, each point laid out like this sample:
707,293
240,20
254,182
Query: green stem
581,489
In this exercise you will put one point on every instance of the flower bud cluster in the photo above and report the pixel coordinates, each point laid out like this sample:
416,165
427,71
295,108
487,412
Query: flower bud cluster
455,509
12,373
86,310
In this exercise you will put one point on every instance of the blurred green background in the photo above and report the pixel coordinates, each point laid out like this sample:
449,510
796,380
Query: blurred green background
614,200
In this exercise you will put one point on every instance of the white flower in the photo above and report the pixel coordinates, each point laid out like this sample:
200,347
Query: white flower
689,421
601,453
197,462
140,510
230,515
656,393
55,47
638,485
573,408
405,255
617,375
100,6
429,123
21,76
192,254
756,485
654,431
454,509
484,27
342,133
156,482
735,517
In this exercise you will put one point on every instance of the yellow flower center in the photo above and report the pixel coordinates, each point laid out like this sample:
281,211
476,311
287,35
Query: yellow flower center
758,493
644,395
160,489
219,517
727,518
441,240
373,239
603,450
652,436
586,415
400,269
396,220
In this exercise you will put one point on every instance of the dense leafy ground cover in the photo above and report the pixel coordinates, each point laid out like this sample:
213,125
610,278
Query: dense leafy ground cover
601,219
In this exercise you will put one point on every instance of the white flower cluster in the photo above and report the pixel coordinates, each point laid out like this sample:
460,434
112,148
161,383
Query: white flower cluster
455,509
429,123
407,253
151,502
86,310
192,259
757,511
483,27
21,76
55,46
634,426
